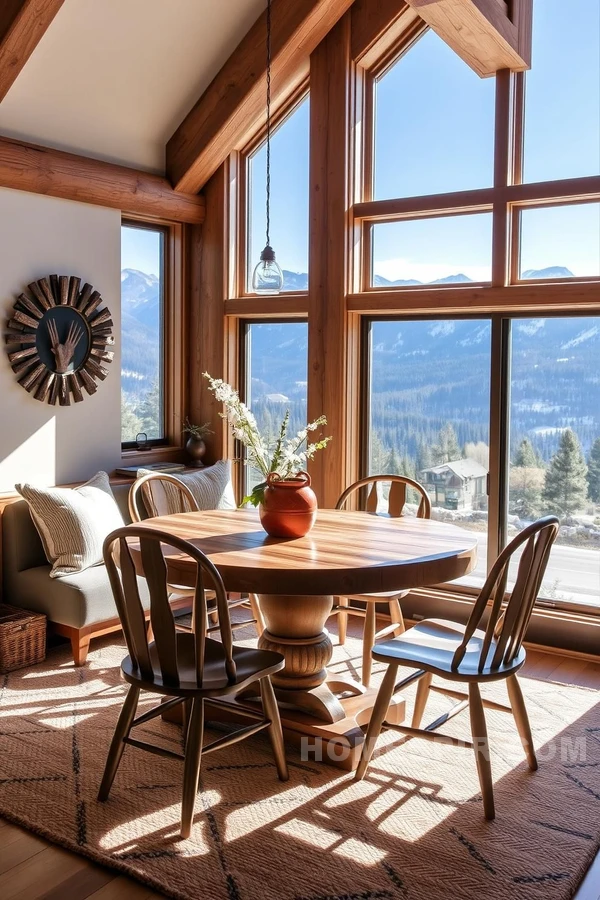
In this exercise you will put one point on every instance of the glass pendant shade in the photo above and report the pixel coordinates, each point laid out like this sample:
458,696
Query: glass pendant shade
267,277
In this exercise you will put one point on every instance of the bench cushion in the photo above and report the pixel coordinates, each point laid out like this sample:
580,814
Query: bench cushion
77,600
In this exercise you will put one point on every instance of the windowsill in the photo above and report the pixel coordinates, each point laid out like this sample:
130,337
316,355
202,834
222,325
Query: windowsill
168,453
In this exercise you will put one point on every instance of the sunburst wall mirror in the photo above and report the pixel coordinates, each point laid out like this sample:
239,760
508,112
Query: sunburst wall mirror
58,339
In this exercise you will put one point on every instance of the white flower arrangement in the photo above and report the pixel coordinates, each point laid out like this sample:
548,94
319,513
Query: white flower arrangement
286,455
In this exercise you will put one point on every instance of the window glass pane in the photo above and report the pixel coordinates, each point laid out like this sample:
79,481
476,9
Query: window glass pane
276,379
555,447
434,124
560,241
289,200
141,333
562,109
450,250
429,415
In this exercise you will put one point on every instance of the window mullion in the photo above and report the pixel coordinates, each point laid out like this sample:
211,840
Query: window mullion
499,436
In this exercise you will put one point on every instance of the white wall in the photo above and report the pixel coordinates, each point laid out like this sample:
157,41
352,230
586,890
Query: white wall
40,236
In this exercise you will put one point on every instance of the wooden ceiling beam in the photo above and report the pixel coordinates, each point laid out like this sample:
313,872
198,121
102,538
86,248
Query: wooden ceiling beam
233,105
488,34
23,23
41,170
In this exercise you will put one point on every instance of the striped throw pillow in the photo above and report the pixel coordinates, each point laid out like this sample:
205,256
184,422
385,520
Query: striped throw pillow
211,488
73,522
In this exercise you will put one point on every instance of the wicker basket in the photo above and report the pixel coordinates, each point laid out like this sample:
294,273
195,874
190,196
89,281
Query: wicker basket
22,638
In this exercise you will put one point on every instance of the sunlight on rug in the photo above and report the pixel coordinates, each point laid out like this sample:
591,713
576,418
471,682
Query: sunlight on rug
413,829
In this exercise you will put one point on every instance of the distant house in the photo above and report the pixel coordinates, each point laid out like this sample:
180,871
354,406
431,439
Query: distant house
461,484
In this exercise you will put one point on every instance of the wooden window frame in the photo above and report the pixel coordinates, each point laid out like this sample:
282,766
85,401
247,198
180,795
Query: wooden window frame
173,373
505,298
372,50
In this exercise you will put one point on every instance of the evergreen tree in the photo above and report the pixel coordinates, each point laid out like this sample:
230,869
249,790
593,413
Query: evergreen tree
593,473
392,464
526,456
447,449
130,423
149,411
407,467
424,456
378,455
565,488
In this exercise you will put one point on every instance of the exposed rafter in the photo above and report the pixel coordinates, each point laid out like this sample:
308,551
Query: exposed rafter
233,104
40,170
488,34
22,25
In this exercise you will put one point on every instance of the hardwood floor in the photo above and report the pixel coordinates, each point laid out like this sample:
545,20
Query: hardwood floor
33,869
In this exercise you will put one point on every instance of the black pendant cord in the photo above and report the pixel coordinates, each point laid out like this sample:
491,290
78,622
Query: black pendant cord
268,122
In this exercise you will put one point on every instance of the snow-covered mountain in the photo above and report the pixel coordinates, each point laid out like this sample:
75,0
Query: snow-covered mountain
298,281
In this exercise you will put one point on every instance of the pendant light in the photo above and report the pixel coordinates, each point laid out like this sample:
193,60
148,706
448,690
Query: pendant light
268,277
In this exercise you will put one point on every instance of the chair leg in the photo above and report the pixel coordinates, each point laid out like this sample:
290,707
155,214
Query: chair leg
482,750
271,710
421,699
382,703
186,713
342,620
368,643
396,616
521,718
191,770
257,614
126,717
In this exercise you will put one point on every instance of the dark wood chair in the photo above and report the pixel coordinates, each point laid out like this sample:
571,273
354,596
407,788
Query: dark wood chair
471,654
191,668
159,494
369,488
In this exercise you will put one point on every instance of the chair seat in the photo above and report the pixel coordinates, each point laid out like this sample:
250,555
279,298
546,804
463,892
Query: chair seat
250,665
431,645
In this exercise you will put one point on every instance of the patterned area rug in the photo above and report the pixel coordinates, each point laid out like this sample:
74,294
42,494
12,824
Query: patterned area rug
413,829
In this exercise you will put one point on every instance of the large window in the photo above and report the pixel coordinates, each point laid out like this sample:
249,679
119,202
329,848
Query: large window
429,414
289,200
468,299
142,333
276,378
555,447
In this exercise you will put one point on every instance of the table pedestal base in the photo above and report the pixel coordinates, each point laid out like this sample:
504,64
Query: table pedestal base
322,715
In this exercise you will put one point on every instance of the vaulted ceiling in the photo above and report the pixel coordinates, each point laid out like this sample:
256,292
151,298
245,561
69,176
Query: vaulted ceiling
112,79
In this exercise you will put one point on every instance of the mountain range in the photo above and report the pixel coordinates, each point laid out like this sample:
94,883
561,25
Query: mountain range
424,373
298,281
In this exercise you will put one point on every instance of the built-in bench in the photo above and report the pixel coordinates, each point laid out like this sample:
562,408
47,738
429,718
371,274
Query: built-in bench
79,606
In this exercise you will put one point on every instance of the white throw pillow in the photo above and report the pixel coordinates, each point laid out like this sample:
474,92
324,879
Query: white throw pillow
73,522
211,488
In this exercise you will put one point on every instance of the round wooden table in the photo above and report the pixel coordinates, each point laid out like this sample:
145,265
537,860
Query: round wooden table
346,553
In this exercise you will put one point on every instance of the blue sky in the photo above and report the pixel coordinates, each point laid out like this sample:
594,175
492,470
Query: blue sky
140,249
435,132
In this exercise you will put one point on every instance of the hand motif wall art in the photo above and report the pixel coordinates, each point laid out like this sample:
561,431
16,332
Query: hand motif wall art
58,339
64,353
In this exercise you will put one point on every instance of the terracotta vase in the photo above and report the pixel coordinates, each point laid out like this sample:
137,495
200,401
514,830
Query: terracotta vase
289,508
195,448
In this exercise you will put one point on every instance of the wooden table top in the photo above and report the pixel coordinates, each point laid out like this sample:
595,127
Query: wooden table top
345,553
